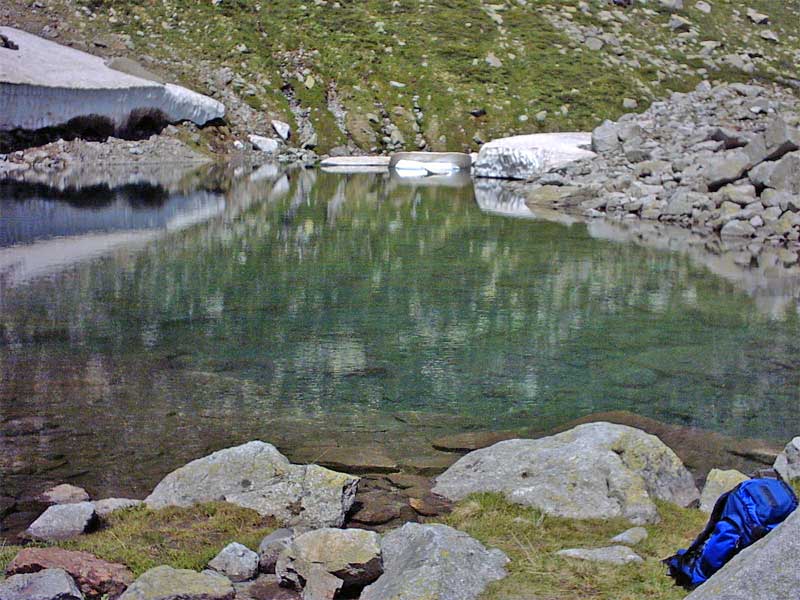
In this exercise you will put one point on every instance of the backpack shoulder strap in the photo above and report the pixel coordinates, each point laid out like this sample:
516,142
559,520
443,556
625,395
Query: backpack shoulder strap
716,513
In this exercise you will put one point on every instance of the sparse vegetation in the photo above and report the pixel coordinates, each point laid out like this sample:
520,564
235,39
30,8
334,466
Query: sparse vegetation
531,540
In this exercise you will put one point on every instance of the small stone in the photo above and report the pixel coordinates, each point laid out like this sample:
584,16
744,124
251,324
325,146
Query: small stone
63,521
493,61
757,17
679,24
594,44
631,537
736,228
615,555
271,547
770,36
264,144
703,7
236,562
629,104
64,494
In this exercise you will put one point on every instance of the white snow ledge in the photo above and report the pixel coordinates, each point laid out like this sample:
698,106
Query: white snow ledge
44,84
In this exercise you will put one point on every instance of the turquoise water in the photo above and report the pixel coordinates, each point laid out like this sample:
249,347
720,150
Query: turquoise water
320,308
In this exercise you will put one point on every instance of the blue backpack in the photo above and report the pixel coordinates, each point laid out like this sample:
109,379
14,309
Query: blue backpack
740,517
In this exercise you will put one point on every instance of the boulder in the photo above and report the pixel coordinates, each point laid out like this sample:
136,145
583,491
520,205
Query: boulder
596,470
788,461
737,228
44,84
95,577
266,587
50,584
605,138
65,494
283,130
782,175
271,548
351,555
63,521
264,144
724,168
528,156
105,507
781,138
717,483
614,555
631,537
421,562
255,475
166,583
236,562
767,570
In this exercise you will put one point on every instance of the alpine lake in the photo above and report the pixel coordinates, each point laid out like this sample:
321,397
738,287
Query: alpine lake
145,324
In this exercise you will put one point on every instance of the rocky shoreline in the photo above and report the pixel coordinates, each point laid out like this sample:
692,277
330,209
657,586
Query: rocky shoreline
622,472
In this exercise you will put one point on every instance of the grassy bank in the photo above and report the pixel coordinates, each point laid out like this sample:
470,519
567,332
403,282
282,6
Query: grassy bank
474,71
531,540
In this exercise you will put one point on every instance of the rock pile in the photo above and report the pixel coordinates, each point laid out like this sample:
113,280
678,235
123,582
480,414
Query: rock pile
722,160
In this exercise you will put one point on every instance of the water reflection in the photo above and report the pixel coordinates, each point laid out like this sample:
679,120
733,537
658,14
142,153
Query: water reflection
317,308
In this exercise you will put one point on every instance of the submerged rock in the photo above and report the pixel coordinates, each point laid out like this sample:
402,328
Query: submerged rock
95,577
767,570
65,494
526,156
717,483
597,470
421,562
63,521
255,475
166,583
50,584
45,84
615,555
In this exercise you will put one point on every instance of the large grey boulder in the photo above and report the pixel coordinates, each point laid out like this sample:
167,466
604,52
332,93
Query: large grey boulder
50,584
45,84
236,562
63,521
528,156
351,555
166,583
255,475
605,138
788,461
596,470
767,570
434,562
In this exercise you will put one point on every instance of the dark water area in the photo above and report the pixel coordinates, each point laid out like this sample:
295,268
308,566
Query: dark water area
310,309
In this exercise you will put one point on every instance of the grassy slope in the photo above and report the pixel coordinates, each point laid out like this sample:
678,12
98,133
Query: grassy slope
361,45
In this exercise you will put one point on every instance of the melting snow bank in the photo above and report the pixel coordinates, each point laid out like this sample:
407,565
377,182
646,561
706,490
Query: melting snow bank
44,84
528,156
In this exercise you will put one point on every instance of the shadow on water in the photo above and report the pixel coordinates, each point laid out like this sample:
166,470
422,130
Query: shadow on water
310,309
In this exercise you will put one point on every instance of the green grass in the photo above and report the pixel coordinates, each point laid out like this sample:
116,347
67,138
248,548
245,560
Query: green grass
185,538
531,539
